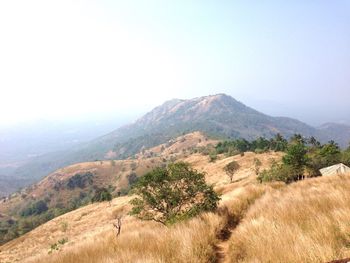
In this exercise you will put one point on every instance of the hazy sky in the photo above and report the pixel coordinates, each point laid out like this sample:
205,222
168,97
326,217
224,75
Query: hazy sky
67,58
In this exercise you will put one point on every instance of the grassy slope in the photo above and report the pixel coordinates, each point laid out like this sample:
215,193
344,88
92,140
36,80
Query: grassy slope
106,173
90,228
303,222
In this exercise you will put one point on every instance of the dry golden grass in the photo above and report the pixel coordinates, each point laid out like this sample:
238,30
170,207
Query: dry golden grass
308,221
191,241
106,173
90,231
179,145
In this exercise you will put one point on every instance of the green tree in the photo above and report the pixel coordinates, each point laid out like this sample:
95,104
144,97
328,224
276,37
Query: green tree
80,180
345,158
277,172
297,138
330,153
296,158
173,193
314,142
231,168
278,143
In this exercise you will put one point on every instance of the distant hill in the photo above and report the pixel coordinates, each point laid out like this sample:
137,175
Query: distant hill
21,143
337,132
219,116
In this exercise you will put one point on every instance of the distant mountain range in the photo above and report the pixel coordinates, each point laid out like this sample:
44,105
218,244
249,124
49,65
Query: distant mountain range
219,116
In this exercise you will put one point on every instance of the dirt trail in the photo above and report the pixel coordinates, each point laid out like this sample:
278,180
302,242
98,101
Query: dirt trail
233,219
223,246
222,251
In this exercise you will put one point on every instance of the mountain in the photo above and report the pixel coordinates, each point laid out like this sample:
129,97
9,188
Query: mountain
218,116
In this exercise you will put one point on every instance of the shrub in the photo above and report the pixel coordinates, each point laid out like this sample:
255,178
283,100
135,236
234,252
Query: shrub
169,194
277,172
35,209
133,166
213,156
80,180
101,194
132,178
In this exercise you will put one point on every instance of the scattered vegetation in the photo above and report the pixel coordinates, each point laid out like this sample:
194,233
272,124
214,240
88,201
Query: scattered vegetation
56,246
175,192
36,208
193,240
304,158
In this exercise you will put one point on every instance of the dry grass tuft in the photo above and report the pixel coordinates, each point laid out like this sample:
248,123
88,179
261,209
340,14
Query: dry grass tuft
307,221
191,241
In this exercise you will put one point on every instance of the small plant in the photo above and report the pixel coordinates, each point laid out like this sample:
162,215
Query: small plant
64,226
257,164
62,241
213,156
56,246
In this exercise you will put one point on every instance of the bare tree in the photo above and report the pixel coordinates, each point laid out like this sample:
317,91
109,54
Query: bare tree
118,225
231,168
257,164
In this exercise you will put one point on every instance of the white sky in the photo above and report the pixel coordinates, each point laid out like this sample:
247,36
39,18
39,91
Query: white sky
64,58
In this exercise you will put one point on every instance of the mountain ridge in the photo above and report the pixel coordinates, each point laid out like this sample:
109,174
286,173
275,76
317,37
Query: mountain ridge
219,116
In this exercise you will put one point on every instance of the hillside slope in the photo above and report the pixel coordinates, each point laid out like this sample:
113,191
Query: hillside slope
85,225
70,187
339,132
306,221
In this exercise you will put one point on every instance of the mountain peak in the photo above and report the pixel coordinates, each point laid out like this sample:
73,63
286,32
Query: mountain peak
193,110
